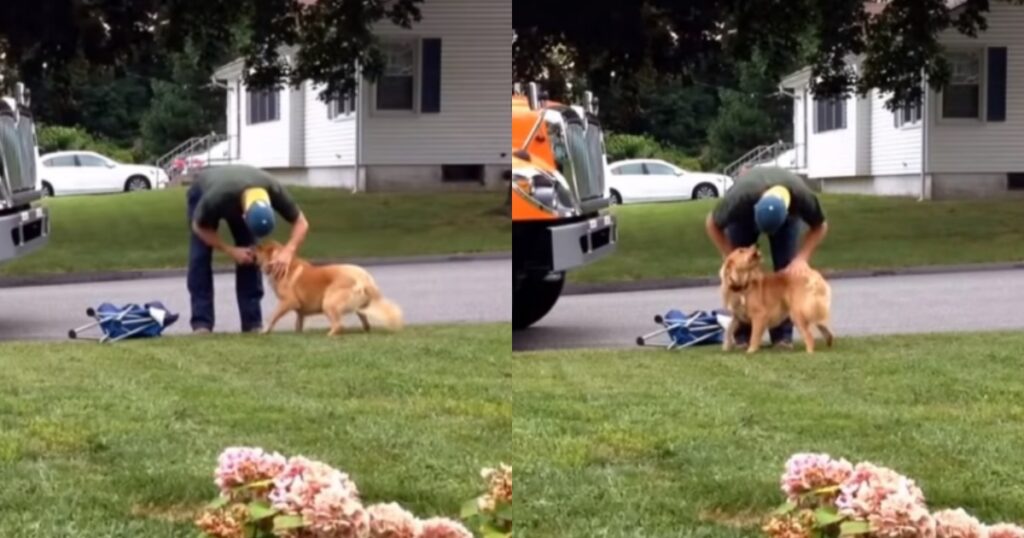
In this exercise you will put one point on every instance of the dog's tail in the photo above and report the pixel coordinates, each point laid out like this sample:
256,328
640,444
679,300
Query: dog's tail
382,311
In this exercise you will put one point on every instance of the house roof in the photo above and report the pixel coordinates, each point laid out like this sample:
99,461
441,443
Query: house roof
233,69
799,78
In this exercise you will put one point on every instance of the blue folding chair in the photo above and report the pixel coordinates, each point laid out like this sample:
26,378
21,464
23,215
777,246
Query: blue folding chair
698,328
118,323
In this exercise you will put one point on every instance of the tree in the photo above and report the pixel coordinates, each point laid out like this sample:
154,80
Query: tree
616,38
751,114
334,37
183,108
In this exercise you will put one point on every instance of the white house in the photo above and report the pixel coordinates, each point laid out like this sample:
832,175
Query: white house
968,134
438,118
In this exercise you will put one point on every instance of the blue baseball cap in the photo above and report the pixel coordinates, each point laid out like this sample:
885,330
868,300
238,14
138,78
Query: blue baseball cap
260,218
770,212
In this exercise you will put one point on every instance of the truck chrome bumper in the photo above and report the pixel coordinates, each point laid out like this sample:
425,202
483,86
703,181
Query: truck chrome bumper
582,243
24,232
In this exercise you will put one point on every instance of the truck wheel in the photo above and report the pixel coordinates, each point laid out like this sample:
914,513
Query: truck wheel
532,298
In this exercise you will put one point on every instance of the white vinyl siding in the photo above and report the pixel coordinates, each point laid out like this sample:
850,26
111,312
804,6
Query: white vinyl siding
472,126
834,153
329,141
980,146
894,150
266,145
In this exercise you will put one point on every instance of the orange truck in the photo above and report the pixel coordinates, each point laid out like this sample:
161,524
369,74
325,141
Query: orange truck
560,218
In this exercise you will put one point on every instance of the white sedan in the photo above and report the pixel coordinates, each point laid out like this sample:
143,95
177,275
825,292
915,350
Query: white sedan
87,172
654,180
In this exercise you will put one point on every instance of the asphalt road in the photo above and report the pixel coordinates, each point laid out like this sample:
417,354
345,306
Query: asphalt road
979,301
429,293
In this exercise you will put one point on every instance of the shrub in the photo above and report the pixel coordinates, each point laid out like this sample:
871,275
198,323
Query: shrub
629,146
60,138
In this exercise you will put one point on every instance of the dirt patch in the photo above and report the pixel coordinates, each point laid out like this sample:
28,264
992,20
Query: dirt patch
744,519
175,513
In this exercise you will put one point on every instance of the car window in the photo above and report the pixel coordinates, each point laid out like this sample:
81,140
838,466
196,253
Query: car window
658,169
61,160
632,169
90,160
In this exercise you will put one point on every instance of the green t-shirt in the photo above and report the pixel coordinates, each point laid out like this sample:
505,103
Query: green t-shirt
738,203
222,188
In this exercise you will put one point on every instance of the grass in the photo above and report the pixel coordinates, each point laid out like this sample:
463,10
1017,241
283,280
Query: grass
692,443
660,241
149,230
121,440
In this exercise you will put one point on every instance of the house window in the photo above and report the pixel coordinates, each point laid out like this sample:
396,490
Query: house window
829,115
264,106
341,107
961,98
907,116
1015,181
396,88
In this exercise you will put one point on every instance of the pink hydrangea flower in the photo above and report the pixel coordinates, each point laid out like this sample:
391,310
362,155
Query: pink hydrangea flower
302,480
1005,530
958,524
325,498
392,521
808,472
861,495
335,513
902,515
238,466
440,527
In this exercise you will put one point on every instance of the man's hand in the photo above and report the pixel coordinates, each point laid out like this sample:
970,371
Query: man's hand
281,262
241,255
797,266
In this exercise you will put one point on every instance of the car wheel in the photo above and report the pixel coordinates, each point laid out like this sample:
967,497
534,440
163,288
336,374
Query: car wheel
47,189
137,183
704,190
616,198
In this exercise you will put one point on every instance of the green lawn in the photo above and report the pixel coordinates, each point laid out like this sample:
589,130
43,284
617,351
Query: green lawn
645,443
149,230
668,240
122,440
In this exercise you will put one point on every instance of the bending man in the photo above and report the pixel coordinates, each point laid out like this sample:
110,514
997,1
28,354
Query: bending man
247,198
772,201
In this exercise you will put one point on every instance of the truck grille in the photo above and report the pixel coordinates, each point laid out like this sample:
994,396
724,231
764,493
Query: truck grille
17,152
589,173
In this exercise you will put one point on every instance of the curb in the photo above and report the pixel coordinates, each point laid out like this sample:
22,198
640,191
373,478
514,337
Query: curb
142,274
699,282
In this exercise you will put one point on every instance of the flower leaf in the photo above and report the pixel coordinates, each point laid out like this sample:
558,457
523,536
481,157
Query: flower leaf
288,522
219,502
826,517
851,528
260,510
469,509
785,509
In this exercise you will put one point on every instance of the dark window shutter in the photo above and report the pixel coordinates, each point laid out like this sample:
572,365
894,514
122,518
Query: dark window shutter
430,97
997,84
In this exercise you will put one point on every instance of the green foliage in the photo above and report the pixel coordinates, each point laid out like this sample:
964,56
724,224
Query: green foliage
751,115
900,47
59,138
628,146
187,107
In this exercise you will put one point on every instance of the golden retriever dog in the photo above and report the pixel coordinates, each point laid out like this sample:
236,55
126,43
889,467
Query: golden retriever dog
765,300
332,290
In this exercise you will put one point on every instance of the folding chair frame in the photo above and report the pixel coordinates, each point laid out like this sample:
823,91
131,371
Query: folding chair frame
143,325
667,326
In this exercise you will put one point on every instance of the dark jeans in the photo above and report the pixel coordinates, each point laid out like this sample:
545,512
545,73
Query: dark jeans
784,244
248,281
